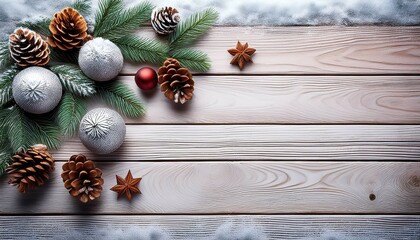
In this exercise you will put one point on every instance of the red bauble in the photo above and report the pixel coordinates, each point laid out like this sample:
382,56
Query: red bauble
146,78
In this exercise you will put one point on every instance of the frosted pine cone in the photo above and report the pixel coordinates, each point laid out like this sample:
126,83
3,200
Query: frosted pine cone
164,20
27,48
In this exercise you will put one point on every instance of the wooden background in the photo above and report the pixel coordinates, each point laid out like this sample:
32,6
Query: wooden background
321,134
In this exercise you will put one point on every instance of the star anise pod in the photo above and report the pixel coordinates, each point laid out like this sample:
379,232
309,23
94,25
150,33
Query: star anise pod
241,54
127,186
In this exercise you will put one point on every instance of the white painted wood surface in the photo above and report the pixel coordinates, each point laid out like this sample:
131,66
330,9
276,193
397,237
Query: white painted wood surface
260,142
313,50
237,187
297,227
289,99
324,122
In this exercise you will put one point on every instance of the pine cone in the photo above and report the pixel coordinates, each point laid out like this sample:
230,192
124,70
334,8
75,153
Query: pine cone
164,20
176,82
68,29
31,169
82,178
27,48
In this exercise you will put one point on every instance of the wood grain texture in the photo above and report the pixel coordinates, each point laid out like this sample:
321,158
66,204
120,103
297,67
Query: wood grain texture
260,142
237,187
289,99
212,227
313,50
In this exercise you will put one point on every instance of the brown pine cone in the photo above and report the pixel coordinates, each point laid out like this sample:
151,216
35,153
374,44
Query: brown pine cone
27,48
82,178
68,29
30,169
176,82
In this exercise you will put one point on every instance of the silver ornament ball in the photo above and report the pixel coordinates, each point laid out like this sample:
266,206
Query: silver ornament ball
37,90
102,130
100,59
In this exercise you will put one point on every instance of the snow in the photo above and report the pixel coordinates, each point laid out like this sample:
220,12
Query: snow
249,12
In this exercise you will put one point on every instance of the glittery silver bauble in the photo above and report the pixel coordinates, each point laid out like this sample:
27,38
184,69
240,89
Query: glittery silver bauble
100,59
37,90
102,130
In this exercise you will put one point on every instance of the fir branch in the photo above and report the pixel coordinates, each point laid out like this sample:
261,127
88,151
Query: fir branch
5,160
6,80
73,80
121,97
69,113
118,24
192,28
84,7
5,58
40,26
138,49
106,10
192,59
24,130
58,56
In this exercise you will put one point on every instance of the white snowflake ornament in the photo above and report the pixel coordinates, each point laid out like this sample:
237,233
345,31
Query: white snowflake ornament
102,130
37,90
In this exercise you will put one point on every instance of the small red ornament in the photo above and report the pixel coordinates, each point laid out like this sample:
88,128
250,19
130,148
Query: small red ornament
146,78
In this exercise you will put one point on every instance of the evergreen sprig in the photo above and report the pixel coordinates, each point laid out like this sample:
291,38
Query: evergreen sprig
121,97
74,80
84,7
6,80
192,59
5,58
192,28
138,49
40,26
24,130
114,22
69,113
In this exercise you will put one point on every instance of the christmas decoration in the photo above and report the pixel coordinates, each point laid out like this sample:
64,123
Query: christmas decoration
31,169
37,90
27,48
146,78
176,82
82,178
241,54
68,29
127,186
102,130
165,19
100,59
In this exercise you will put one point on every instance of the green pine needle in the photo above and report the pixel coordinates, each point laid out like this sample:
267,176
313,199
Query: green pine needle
192,59
58,56
69,113
121,97
40,26
24,130
83,6
118,22
107,9
138,49
74,81
6,80
192,28
5,58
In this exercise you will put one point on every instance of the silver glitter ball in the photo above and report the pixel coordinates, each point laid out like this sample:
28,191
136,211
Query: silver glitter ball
102,130
100,59
37,90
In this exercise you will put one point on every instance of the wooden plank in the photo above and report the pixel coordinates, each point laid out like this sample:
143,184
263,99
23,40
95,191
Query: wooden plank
260,142
313,50
237,187
289,99
211,227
